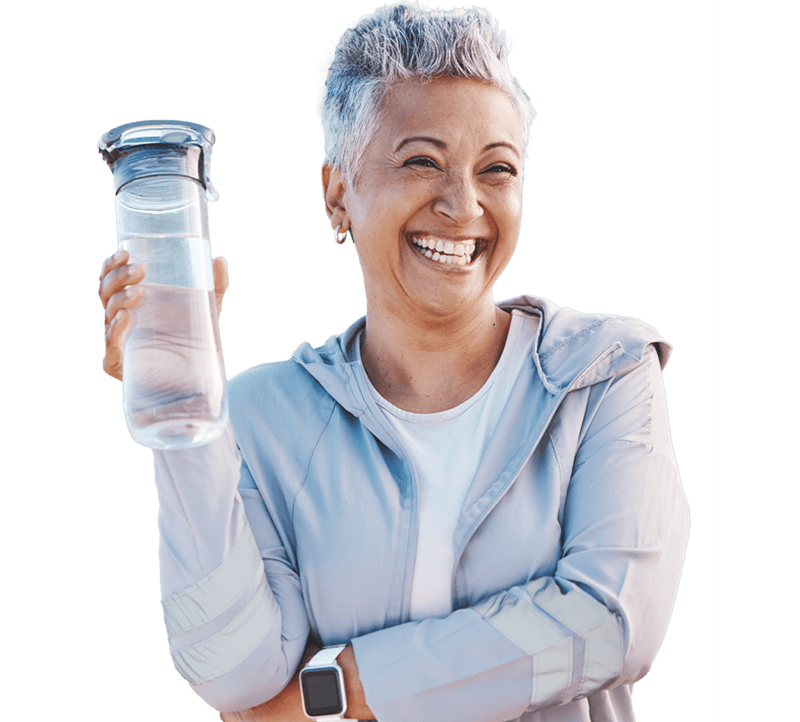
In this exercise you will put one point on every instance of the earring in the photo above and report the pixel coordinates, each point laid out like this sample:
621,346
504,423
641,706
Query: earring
340,237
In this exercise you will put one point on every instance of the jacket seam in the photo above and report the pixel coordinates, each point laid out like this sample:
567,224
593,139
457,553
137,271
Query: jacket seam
511,481
552,444
566,342
311,456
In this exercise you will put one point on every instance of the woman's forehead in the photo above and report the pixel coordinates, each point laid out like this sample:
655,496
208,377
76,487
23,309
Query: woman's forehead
444,108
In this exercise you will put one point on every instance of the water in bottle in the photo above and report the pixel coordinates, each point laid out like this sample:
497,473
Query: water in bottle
173,384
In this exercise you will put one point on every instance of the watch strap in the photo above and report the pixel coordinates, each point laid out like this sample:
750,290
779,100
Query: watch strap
326,656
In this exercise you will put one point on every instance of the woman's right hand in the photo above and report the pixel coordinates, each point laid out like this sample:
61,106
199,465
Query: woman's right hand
119,293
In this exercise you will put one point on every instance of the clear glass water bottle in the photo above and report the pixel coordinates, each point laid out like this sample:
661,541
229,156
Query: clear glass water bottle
174,391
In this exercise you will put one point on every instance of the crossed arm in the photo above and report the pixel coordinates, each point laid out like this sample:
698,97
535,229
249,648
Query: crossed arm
287,707
597,622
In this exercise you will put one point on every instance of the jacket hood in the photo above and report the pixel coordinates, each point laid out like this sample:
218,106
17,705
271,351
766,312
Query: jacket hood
573,350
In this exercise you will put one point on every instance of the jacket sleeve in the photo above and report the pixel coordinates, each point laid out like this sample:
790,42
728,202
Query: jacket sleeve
596,623
232,602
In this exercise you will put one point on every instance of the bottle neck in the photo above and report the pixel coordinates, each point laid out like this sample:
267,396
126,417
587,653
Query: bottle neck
158,160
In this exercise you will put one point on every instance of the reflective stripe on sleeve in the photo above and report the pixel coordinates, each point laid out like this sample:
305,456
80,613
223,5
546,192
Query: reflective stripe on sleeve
213,594
222,652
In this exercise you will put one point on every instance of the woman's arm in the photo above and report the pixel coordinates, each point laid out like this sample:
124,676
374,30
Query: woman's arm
287,705
596,623
232,600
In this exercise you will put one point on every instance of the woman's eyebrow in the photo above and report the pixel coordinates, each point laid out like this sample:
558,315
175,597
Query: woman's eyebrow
438,143
502,144
441,144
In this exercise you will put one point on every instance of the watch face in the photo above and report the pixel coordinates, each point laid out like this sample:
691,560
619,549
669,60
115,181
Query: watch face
321,692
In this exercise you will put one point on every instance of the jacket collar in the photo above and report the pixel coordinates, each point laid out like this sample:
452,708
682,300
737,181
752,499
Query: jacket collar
580,349
573,350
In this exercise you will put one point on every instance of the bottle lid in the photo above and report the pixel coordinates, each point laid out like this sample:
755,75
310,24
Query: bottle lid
123,140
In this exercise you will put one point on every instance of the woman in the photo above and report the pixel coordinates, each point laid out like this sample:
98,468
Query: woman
479,502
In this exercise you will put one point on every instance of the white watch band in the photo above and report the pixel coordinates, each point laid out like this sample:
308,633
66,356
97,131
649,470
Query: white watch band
325,656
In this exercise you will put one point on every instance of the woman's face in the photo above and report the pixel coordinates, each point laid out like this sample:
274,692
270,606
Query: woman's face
435,212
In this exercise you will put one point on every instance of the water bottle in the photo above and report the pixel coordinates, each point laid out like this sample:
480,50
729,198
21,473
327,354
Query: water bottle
174,392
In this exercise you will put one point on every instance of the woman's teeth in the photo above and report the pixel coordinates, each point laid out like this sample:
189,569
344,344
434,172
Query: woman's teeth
446,252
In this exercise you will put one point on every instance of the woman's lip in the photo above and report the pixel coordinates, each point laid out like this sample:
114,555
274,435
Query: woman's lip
445,251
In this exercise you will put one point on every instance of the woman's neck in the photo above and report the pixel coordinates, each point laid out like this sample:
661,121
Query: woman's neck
434,366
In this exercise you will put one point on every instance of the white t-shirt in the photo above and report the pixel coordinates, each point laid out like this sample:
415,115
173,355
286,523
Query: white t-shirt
445,448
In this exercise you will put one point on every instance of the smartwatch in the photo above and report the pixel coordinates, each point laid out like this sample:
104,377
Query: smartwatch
322,685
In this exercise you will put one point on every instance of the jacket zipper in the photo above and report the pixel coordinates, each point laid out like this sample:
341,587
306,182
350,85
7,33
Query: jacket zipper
477,523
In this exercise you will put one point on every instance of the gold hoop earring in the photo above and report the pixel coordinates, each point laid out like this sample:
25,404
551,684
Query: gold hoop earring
340,237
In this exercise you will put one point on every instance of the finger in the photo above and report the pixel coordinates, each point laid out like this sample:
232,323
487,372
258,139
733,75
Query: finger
118,278
118,259
221,280
112,363
128,298
114,261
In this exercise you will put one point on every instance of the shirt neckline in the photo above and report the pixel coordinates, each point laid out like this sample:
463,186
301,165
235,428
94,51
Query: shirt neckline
509,347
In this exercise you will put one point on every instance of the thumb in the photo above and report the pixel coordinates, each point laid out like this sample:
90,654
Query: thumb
220,266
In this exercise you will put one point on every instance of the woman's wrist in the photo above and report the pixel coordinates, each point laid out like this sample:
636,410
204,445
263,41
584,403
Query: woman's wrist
357,707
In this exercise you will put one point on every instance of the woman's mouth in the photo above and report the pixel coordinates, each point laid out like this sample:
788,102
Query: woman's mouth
446,252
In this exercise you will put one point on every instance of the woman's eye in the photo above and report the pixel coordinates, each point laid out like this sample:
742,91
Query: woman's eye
501,168
422,161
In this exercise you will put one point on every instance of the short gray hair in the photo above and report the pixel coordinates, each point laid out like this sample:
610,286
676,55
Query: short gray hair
398,43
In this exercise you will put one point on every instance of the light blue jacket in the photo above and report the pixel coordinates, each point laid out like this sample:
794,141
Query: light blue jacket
568,550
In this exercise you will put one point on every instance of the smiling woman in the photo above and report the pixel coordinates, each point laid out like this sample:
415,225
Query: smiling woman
473,509
435,217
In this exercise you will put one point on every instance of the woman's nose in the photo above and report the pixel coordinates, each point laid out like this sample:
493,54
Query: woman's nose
458,200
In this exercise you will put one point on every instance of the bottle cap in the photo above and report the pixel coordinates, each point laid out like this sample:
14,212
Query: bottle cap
173,147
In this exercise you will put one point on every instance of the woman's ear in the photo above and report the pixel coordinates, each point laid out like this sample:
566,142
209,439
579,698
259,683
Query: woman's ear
333,188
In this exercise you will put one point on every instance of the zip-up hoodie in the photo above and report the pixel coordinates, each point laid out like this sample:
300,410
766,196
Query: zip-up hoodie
303,519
